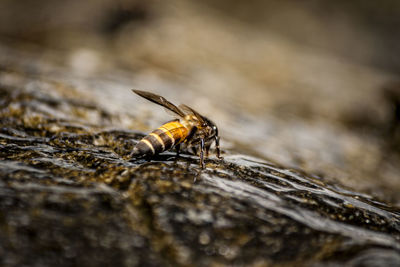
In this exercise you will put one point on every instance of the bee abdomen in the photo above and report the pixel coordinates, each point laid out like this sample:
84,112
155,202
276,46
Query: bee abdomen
160,140
143,148
148,146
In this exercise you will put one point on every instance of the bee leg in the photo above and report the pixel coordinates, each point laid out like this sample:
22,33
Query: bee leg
189,138
207,149
178,148
194,150
217,146
202,154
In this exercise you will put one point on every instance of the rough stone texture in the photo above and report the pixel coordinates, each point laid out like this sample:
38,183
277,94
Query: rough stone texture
307,80
71,196
306,97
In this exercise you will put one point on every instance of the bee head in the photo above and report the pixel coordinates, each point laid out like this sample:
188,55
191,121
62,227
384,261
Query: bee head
212,128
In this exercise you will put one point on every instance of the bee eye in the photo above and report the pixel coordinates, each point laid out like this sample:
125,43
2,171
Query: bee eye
215,130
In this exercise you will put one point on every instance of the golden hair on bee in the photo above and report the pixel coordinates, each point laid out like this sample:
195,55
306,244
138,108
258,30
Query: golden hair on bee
191,129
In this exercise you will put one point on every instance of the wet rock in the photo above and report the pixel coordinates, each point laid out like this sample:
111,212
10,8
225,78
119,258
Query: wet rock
309,107
70,195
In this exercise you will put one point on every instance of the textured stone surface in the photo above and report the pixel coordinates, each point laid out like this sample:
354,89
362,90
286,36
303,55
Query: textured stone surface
306,98
70,195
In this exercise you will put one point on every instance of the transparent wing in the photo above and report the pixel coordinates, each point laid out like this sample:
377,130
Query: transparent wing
160,101
189,110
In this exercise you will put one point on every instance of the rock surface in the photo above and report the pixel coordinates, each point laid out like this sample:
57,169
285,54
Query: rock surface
306,97
70,195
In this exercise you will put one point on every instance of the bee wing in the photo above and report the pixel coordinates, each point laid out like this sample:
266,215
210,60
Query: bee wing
160,101
189,110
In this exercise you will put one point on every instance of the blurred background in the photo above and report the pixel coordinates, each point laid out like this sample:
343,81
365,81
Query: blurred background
312,85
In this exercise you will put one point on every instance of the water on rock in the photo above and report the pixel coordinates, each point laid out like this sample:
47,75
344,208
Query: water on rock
70,195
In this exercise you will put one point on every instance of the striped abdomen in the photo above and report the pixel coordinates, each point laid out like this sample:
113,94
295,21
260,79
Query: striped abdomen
161,139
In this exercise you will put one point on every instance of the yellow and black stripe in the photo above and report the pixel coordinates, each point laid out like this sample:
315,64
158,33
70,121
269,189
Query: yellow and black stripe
165,137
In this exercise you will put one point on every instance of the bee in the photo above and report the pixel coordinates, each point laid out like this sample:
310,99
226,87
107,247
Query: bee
190,129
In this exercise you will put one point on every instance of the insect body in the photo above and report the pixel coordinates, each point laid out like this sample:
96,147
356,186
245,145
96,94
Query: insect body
191,129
